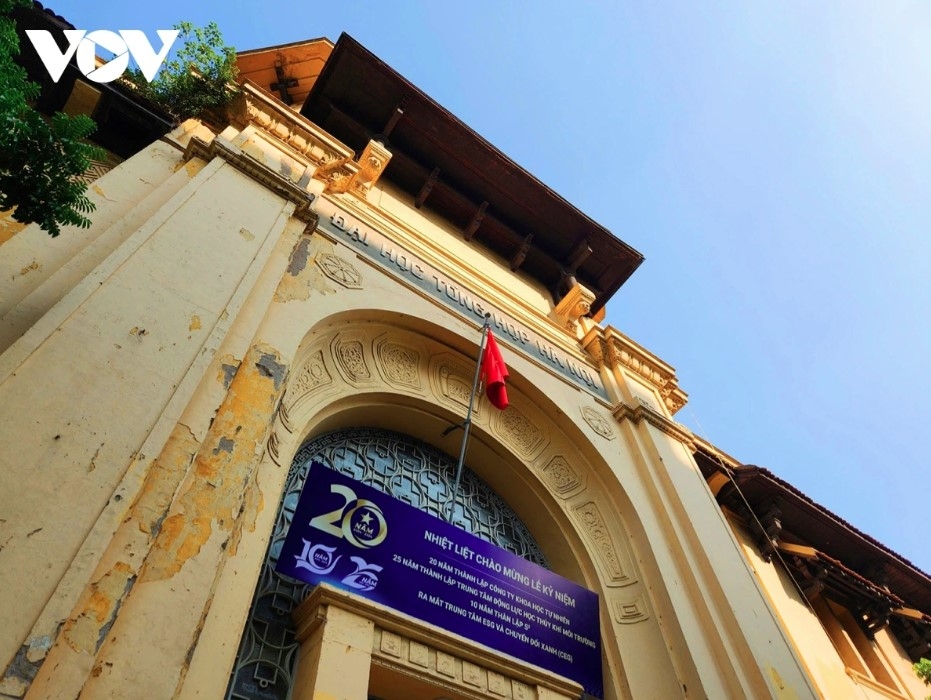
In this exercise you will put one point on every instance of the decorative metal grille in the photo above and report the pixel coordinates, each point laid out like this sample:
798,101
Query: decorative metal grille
409,470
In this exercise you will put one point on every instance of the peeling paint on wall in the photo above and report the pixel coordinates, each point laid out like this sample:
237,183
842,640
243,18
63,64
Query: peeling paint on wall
211,501
252,506
101,601
298,257
302,279
268,366
86,631
228,367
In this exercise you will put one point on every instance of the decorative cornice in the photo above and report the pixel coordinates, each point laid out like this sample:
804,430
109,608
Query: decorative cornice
644,411
301,135
332,161
611,348
261,173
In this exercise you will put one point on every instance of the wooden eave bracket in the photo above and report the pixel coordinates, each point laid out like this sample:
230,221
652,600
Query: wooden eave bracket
518,259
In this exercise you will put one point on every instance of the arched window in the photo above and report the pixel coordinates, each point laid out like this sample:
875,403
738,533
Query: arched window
409,470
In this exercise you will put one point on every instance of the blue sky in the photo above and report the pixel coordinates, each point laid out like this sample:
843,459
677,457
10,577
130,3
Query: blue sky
771,160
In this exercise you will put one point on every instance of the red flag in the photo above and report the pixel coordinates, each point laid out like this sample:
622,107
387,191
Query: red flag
494,374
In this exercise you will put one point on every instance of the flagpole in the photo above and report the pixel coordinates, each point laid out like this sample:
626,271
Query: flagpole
467,424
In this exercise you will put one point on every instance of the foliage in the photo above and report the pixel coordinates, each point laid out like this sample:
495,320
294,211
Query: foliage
923,669
198,80
40,161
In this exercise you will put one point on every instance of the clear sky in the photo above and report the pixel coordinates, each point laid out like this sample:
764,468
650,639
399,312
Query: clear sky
772,161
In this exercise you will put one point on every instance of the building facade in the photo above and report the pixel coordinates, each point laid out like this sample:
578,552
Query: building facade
307,281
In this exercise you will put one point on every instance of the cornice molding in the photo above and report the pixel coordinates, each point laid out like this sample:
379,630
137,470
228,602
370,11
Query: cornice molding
261,173
332,161
643,411
611,348
305,138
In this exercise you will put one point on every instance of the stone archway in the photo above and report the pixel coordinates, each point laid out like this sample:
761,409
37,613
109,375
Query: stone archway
394,463
547,460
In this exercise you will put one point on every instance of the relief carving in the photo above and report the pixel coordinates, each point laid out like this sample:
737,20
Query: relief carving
631,611
399,364
455,387
497,684
419,654
462,674
350,357
598,422
561,476
312,375
576,303
472,674
598,532
522,691
514,427
273,447
339,270
451,382
390,643
446,664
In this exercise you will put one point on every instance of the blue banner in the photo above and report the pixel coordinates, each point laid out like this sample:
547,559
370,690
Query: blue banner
357,538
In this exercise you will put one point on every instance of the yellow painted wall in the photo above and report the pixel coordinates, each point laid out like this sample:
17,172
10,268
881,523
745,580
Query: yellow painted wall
164,382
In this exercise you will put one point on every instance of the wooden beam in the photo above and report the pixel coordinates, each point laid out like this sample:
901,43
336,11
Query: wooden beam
476,221
578,255
521,253
427,186
395,116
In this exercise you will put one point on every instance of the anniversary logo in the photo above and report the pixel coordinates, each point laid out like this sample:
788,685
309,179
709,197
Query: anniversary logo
357,538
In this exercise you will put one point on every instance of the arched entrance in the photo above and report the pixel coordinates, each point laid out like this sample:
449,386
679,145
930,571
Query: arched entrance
395,463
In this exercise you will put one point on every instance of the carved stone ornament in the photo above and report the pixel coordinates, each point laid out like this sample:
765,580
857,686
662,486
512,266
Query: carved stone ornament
599,349
561,476
284,416
628,612
312,375
576,303
598,422
339,270
598,532
399,364
522,691
390,643
497,684
350,358
446,664
472,674
516,429
451,382
419,654
455,386
274,450
372,164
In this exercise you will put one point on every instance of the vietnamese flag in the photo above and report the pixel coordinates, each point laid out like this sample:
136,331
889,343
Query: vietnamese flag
494,374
